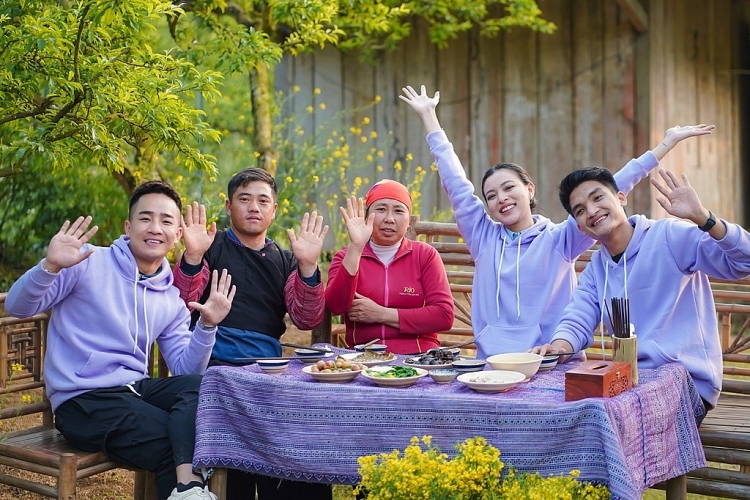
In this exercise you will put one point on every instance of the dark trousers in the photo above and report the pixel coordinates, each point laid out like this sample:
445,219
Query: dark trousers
242,485
153,430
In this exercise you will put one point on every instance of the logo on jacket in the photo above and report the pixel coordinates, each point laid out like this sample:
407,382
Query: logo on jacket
409,290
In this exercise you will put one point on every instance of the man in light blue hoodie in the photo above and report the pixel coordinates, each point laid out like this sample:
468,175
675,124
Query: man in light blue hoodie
661,266
109,305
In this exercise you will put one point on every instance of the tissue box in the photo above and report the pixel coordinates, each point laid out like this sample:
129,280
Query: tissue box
597,379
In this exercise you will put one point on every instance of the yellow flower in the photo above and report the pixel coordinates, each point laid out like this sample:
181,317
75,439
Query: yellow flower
286,200
16,367
288,180
316,178
26,398
310,109
380,168
409,157
295,88
378,98
316,91
322,105
363,138
373,134
242,141
365,120
257,154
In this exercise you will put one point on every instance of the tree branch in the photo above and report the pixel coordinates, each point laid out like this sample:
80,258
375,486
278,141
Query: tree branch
26,114
77,46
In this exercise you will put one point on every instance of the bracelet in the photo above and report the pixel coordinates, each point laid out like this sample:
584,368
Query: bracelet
204,326
47,270
711,222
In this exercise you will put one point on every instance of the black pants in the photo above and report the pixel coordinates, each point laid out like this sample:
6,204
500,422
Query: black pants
153,430
241,486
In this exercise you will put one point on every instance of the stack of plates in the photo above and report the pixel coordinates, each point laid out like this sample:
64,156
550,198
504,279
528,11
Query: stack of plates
466,365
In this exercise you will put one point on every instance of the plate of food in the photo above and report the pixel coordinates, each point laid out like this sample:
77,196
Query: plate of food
328,371
394,375
491,380
432,359
370,358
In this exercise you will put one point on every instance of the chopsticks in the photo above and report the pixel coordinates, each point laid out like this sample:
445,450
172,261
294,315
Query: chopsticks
311,348
619,318
269,358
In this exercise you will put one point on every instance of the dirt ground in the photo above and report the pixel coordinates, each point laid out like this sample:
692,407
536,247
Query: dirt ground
110,485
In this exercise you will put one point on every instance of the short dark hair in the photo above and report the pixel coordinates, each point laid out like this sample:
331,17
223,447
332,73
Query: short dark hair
519,171
578,177
154,187
248,175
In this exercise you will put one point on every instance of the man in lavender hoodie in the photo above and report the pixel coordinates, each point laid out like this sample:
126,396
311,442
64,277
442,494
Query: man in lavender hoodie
662,266
109,305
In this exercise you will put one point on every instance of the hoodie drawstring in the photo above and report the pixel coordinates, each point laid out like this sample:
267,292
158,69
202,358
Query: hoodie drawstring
518,280
499,268
145,319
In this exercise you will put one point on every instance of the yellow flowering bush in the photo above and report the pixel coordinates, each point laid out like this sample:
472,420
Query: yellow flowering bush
475,473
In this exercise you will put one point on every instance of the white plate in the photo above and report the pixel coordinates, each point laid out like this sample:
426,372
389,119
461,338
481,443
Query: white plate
491,380
347,376
394,382
351,355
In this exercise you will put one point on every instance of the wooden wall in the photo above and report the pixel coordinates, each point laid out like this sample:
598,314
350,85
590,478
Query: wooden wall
597,92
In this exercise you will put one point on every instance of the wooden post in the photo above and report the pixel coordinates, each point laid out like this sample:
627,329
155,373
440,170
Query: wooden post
677,488
217,484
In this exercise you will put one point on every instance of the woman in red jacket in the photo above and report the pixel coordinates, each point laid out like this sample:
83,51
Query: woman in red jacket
388,287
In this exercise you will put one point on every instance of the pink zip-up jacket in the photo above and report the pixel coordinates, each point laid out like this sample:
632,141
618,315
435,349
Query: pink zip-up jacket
414,282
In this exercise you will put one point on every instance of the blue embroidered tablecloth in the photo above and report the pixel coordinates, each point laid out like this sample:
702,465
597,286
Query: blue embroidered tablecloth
292,426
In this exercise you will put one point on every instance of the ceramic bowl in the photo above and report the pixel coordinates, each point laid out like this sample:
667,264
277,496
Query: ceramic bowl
524,362
466,365
443,376
310,356
273,366
548,362
372,347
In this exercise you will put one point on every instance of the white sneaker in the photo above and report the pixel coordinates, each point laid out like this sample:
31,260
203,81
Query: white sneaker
195,493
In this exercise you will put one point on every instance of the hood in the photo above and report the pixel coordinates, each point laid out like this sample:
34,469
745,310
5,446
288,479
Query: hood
125,264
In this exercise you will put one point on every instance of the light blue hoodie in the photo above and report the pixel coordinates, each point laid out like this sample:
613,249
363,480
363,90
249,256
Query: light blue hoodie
664,274
104,321
521,286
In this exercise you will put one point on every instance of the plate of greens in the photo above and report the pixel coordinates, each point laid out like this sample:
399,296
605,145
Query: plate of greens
394,375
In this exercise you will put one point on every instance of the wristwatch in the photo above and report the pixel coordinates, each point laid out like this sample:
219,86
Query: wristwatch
711,222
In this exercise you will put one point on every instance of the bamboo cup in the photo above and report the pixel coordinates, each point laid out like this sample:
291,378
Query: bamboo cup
625,349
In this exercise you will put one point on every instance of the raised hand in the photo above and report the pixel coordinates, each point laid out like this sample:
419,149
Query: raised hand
679,199
421,103
358,228
65,246
424,105
197,238
307,246
219,301
679,133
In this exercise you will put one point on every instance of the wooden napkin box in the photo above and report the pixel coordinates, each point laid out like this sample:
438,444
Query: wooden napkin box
597,379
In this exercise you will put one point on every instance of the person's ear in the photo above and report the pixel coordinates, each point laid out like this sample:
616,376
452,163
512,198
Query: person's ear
623,199
227,206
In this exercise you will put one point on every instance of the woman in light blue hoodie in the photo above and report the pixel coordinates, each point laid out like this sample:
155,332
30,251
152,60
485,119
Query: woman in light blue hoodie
525,274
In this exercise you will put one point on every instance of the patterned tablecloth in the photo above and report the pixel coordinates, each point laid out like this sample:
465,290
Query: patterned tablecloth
292,426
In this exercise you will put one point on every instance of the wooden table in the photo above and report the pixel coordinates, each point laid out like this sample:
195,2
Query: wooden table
291,426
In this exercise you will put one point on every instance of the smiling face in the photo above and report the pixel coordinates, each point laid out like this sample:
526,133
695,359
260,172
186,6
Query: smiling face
391,221
598,210
153,229
509,199
252,209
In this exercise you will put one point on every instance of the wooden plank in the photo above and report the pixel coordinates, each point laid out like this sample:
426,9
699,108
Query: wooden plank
555,113
634,13
486,103
658,74
588,74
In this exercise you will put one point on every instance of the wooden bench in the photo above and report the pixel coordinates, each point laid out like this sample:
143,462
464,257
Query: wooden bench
41,449
725,432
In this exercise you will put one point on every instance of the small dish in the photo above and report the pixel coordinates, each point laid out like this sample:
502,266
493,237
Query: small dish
371,347
468,365
380,358
371,374
524,362
340,376
443,376
548,362
492,380
439,366
273,366
311,356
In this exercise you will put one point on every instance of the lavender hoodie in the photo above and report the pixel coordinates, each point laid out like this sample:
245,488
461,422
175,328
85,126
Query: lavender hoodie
104,321
521,286
664,274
